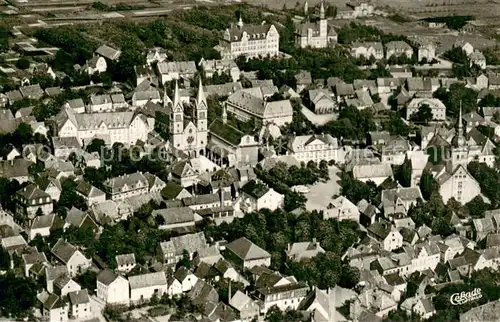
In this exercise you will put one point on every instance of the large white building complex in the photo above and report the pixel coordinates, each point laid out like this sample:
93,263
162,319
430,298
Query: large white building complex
124,127
249,40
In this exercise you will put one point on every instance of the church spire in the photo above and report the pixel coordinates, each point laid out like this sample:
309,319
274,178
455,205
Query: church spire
177,95
322,11
201,99
460,129
240,22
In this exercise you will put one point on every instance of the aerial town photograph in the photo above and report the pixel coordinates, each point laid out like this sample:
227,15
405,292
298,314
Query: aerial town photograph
250,161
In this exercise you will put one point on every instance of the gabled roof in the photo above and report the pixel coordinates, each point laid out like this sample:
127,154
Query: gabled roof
44,221
63,250
79,297
31,192
107,276
174,216
147,280
246,250
255,189
108,52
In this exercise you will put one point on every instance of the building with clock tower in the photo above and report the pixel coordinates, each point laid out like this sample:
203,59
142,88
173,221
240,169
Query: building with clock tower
188,123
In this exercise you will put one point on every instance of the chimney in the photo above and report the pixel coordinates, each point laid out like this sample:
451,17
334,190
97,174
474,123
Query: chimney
228,295
314,242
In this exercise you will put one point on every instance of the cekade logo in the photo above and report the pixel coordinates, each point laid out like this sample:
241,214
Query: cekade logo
464,297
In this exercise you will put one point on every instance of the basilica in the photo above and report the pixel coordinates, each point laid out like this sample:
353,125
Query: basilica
188,123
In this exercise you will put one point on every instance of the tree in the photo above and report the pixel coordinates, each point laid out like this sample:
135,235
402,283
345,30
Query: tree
423,115
395,125
88,280
23,63
403,173
477,207
17,295
97,145
428,185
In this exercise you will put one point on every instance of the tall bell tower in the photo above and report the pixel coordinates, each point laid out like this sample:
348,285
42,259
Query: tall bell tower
177,121
201,120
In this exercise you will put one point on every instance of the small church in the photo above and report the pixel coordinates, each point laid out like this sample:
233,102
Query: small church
188,126
315,34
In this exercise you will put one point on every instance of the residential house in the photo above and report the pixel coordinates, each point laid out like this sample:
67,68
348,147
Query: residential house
226,270
31,201
144,73
144,286
376,173
489,113
127,185
170,252
32,92
108,52
209,255
141,98
247,308
286,294
100,103
304,250
96,65
341,208
303,80
219,67
31,258
71,256
125,262
174,286
437,107
169,71
367,50
15,169
249,40
321,101
477,58
245,254
386,234
186,278
315,148
54,308
399,200
76,105
156,55
64,285
80,304
176,218
41,226
398,48
255,196
112,288
426,51
64,146
89,193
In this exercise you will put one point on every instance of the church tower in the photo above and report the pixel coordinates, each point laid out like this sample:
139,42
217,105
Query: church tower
323,25
459,150
201,120
177,121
